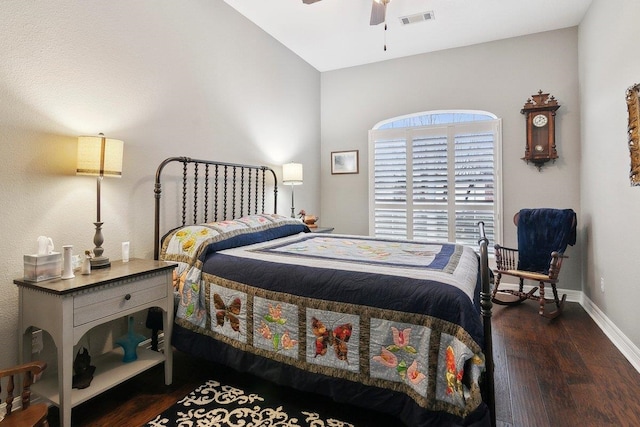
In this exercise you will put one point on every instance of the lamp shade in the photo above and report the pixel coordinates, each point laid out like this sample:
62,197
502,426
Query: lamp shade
292,173
99,156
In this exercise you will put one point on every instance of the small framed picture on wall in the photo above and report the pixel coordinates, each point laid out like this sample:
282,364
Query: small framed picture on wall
344,162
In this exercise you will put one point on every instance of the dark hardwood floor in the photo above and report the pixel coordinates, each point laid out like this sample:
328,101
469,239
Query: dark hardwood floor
563,372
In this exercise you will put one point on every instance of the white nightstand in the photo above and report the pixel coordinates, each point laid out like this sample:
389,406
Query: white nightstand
68,309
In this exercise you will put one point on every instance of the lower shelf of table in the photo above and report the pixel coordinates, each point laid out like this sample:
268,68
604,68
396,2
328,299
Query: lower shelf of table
110,371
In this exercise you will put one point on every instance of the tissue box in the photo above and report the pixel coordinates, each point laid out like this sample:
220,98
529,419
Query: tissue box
42,267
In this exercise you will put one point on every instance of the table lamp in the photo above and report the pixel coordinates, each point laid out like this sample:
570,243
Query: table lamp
99,156
292,175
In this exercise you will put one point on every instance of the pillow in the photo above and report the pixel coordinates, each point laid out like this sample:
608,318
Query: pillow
258,231
194,242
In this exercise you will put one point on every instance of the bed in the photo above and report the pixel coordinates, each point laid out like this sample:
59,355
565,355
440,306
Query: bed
397,326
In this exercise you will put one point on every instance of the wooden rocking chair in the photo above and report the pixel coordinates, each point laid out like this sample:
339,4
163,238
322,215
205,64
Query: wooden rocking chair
543,236
28,415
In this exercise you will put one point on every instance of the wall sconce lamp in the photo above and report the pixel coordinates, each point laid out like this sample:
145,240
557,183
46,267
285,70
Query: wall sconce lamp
99,156
292,175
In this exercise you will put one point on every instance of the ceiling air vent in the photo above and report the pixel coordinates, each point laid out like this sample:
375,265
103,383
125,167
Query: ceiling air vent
418,17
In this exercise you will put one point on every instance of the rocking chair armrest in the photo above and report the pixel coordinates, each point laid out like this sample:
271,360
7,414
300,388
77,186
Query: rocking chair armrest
29,372
34,367
556,264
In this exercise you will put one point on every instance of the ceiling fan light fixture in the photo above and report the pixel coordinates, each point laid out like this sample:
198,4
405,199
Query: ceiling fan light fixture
378,11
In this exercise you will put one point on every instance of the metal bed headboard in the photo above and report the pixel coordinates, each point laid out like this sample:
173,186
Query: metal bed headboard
213,191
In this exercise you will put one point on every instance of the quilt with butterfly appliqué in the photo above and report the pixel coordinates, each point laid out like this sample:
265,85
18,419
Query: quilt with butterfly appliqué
188,246
388,315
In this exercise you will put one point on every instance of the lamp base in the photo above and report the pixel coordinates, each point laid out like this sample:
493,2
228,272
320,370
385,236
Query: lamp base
100,262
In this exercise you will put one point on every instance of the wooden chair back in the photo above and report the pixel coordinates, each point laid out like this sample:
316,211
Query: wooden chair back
28,414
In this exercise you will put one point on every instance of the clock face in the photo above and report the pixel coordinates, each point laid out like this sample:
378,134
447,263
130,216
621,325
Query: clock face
540,120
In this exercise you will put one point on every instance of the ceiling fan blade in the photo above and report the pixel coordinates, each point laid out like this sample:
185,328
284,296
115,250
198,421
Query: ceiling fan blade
309,1
378,11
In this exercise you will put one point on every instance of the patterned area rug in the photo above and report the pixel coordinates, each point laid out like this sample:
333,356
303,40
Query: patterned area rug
219,405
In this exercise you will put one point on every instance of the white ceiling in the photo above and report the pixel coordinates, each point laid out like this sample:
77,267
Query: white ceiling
334,34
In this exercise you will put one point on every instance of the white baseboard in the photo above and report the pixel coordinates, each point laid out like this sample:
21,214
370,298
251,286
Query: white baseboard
628,349
617,337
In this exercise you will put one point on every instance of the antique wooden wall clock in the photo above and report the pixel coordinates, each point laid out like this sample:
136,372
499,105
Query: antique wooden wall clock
540,113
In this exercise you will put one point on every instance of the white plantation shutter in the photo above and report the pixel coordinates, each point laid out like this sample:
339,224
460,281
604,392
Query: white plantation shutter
474,180
434,183
390,177
431,189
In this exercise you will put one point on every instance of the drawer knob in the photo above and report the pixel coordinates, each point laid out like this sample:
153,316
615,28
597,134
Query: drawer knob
127,297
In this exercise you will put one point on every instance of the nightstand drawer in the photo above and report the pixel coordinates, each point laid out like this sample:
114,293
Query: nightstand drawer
116,299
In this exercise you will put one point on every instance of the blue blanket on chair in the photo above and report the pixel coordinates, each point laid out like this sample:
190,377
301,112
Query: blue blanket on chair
542,231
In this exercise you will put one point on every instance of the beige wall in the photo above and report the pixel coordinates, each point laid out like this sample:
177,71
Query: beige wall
167,77
497,77
609,64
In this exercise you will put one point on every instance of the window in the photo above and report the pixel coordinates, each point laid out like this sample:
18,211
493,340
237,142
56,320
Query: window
434,175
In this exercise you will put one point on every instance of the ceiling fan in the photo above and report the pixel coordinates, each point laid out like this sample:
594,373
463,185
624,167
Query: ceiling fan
378,10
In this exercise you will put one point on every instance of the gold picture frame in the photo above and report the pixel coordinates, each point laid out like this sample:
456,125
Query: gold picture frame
633,130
